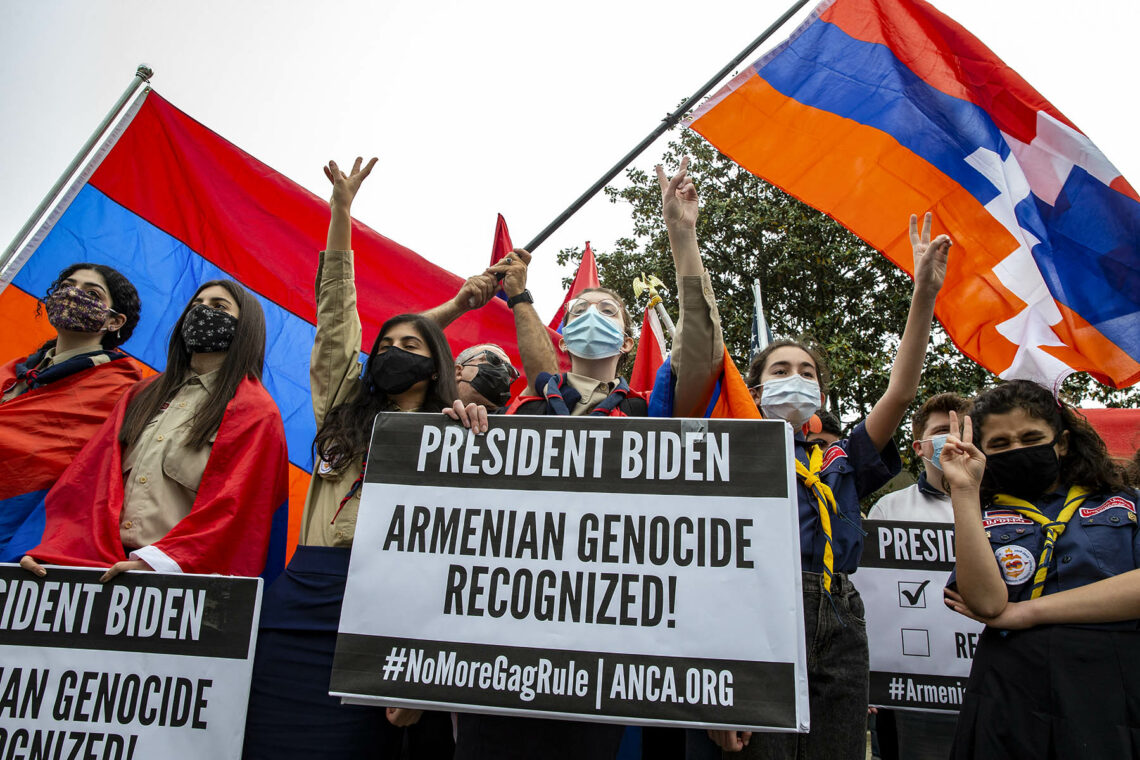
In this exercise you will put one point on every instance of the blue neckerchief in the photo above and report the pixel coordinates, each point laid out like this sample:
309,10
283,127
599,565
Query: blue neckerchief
27,372
561,397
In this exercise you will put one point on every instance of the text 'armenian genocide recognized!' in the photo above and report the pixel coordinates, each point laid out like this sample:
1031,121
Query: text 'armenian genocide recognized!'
621,570
148,665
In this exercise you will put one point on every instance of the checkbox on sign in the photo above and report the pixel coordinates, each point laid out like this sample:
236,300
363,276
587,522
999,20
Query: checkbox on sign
916,642
913,595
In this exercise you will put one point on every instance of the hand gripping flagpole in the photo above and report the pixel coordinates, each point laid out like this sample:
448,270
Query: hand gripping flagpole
649,285
142,76
666,124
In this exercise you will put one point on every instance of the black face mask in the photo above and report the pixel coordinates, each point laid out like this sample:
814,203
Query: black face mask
1025,473
492,382
205,330
396,370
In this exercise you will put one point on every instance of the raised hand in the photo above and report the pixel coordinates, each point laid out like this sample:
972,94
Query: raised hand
346,185
679,205
930,256
963,463
477,291
513,268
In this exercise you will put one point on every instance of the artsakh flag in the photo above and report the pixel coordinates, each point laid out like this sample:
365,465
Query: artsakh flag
650,353
171,204
586,277
877,109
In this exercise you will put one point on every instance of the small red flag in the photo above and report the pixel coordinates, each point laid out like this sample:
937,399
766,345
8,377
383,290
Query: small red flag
650,353
502,244
587,277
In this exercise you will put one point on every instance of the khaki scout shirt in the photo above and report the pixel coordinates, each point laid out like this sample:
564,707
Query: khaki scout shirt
161,473
51,358
698,346
593,392
333,376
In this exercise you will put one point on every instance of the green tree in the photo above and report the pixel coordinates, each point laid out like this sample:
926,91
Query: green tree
819,281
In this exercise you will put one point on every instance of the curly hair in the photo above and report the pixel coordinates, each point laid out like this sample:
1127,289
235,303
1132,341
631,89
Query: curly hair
1086,462
124,300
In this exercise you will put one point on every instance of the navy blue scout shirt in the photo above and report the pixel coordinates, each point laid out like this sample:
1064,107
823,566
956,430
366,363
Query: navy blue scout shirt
1100,541
852,468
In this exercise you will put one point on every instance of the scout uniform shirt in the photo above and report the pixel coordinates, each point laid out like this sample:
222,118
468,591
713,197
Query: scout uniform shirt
161,472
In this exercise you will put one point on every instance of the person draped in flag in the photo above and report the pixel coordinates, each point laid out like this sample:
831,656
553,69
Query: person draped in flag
596,335
187,472
409,368
54,399
1048,558
788,381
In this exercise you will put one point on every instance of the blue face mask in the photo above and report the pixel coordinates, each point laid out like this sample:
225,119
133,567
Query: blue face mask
592,336
936,442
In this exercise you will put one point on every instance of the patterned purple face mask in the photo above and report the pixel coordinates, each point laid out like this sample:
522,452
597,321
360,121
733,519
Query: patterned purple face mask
69,308
205,330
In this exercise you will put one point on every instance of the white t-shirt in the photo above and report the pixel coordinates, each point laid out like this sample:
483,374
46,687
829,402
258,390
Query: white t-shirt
914,504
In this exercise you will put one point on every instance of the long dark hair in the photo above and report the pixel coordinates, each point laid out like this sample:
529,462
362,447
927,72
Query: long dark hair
244,358
344,434
1086,462
124,300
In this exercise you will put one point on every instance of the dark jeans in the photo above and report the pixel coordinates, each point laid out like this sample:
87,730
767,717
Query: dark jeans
838,675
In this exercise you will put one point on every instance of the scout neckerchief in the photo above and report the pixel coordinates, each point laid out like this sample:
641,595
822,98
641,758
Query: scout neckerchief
34,378
1053,528
560,395
351,491
825,501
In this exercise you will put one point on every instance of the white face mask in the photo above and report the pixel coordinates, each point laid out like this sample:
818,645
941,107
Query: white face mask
792,399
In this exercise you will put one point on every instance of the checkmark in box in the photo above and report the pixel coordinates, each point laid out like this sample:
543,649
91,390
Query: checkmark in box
913,595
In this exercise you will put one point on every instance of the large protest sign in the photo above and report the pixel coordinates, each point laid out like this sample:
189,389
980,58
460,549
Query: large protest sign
145,666
921,651
621,570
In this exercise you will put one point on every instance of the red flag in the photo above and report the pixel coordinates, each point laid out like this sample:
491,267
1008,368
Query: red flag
650,353
501,245
587,277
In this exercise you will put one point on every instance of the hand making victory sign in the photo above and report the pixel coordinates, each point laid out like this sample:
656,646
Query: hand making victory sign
679,204
929,256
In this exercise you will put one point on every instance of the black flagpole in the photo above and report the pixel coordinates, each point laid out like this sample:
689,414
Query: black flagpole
666,124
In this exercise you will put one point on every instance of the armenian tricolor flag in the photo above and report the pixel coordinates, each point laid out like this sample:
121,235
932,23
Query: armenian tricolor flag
171,204
877,109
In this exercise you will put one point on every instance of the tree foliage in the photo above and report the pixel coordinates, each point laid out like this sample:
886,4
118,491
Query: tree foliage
819,281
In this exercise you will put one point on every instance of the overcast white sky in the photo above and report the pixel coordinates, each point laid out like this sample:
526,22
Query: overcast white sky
473,108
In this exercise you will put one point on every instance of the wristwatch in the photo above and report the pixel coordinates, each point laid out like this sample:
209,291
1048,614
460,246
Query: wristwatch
523,297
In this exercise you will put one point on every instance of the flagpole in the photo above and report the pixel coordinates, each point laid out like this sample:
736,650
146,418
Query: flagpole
666,124
142,76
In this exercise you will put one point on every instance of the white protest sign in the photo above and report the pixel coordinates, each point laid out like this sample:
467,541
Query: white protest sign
145,666
617,570
921,651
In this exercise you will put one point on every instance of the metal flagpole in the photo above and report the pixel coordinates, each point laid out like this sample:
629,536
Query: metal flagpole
666,124
141,77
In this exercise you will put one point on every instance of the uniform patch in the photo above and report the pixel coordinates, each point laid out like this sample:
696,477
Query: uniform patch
1004,517
833,453
1017,564
1115,501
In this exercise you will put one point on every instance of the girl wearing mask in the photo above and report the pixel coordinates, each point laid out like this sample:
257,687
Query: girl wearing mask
789,382
596,334
53,400
1048,552
186,474
409,368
